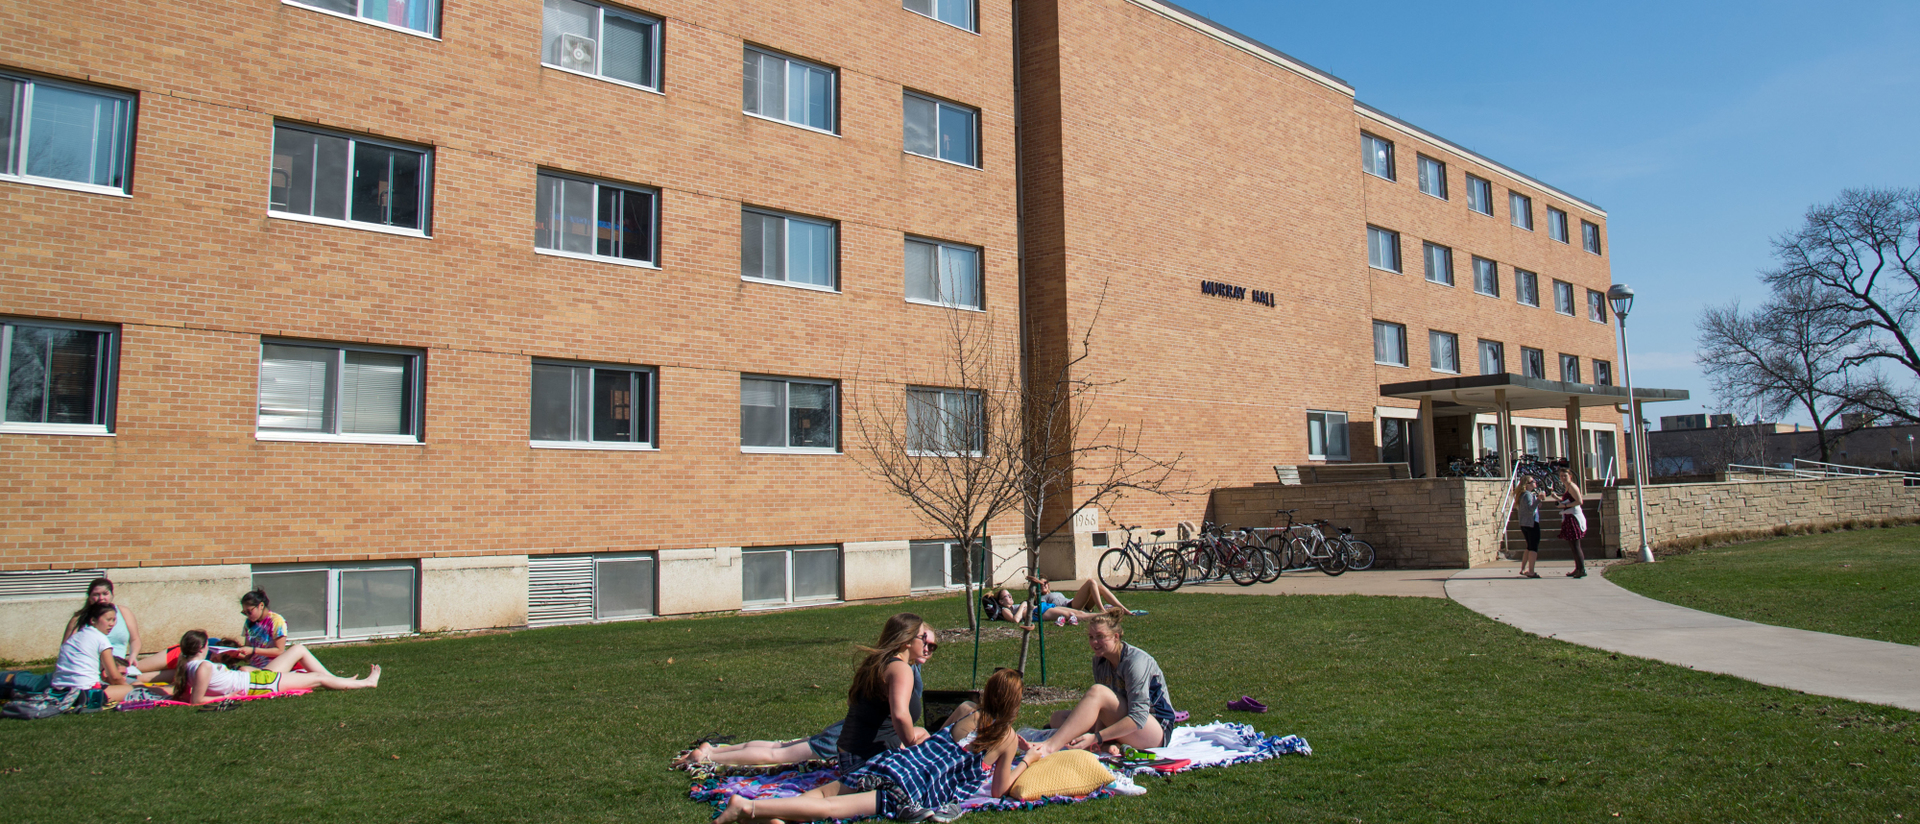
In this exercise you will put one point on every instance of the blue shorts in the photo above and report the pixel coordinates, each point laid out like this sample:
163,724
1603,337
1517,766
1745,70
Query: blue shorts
826,744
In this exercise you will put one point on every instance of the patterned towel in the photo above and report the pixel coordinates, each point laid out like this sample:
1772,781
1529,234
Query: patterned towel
147,701
1224,743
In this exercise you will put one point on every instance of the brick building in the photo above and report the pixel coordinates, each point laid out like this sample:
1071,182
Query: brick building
319,354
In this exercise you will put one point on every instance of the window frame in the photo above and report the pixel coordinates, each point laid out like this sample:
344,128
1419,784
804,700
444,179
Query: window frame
554,585
414,400
1326,417
1397,332
13,164
840,577
1569,365
833,262
652,261
1479,189
1433,351
106,383
786,416
334,571
979,151
1563,289
1590,236
1525,282
940,247
833,89
427,174
649,383
1557,224
1438,178
978,422
1529,358
656,45
1602,372
1493,277
434,12
973,14
1499,351
1370,156
1597,307
1520,210
1427,248
1374,232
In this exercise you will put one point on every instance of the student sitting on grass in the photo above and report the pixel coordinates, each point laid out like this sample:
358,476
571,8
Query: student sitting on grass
202,681
126,631
86,657
1093,598
927,780
1127,704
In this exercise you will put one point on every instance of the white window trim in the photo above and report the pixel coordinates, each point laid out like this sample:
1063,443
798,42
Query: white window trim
93,430
593,446
811,287
347,224
71,186
602,78
333,594
637,264
972,31
943,160
947,545
801,126
937,305
370,21
308,437
979,130
789,450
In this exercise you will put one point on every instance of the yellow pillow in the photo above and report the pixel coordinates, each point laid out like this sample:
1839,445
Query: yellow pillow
1067,772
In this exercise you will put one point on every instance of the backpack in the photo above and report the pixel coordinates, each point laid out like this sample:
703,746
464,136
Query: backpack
55,702
21,683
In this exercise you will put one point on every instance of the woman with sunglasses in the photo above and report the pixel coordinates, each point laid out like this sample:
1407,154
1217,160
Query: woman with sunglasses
883,705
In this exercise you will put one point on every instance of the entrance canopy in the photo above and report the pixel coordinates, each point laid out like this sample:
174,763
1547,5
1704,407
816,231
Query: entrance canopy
1506,392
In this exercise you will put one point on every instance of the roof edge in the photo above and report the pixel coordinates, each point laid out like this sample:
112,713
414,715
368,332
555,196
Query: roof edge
1244,43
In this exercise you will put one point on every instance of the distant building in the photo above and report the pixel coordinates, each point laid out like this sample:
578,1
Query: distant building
1684,449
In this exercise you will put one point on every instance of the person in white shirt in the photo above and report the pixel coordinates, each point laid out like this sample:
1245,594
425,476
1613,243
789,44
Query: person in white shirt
86,657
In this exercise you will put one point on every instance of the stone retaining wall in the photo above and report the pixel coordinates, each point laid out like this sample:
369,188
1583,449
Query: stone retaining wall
1680,512
1423,523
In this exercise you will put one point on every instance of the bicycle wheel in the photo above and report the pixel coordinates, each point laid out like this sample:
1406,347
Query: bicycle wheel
1243,564
1276,563
1197,562
1299,554
1115,569
1167,570
1331,561
1359,553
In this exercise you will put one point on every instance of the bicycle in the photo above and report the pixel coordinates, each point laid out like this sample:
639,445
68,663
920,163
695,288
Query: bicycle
1309,542
1121,565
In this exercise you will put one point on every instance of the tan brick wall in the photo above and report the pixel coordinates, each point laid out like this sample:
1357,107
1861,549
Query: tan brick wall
1678,512
1423,523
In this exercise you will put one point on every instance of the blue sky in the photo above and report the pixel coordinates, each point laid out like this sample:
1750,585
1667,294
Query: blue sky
1705,129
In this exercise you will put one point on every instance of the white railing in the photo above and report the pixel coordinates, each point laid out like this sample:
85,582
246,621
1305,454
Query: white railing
1803,468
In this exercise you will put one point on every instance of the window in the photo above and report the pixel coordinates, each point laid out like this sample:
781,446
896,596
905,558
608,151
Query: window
944,274
1563,297
953,12
337,178
788,249
1439,263
1537,441
356,600
413,15
787,89
787,575
573,405
1389,343
944,422
594,40
1493,357
1590,236
786,414
1433,177
1327,436
64,134
1596,306
1526,287
1603,373
1556,224
1533,362
1570,368
1486,277
943,564
1395,440
312,391
59,377
577,217
1521,208
1443,351
1376,156
1479,195
936,128
577,589
1383,249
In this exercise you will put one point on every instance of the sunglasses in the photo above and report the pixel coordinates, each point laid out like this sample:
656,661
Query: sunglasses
931,641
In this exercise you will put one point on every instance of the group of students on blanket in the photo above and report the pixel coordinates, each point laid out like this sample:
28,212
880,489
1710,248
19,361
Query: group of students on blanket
101,651
893,768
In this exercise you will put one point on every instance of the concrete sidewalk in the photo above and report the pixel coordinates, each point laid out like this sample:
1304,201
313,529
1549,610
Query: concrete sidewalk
1413,583
1595,613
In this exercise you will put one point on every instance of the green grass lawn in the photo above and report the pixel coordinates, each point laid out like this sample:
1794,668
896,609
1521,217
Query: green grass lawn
1417,709
1864,583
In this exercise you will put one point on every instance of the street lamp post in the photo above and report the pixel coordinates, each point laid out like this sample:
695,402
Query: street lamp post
1621,296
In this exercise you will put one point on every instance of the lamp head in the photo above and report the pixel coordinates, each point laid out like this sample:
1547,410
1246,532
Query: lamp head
1621,296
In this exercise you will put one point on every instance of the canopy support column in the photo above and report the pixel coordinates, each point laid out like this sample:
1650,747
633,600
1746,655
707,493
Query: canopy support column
1504,415
1576,443
1427,464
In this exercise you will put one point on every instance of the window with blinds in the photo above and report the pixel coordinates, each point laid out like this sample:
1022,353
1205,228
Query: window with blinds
945,421
789,414
788,249
944,274
344,392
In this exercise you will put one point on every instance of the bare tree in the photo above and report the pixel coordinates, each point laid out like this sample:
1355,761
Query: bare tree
1858,259
1793,354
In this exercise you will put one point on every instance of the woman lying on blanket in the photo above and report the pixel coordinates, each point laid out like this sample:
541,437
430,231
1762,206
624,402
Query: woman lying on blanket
1127,704
202,681
1093,598
927,780
885,698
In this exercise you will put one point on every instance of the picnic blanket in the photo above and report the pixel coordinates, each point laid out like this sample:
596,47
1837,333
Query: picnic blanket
1218,744
138,701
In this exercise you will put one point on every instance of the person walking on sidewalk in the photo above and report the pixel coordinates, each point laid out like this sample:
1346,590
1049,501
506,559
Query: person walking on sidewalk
1573,522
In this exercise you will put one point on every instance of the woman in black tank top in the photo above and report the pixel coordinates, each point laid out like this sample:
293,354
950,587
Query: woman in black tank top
883,705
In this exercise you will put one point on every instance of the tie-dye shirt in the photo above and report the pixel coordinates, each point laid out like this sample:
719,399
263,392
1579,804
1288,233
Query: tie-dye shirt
263,633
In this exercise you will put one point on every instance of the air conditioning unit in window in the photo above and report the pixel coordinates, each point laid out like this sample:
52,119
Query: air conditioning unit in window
576,53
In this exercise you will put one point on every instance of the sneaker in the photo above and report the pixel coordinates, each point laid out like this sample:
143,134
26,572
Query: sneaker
1123,785
947,813
1181,716
1138,612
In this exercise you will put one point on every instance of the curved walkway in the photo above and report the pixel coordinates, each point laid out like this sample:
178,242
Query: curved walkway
1593,612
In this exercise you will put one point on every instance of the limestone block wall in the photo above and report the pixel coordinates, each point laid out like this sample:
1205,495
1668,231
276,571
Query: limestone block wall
1678,512
1423,523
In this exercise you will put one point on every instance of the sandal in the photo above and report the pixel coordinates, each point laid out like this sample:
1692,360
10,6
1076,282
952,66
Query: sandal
1531,574
1246,703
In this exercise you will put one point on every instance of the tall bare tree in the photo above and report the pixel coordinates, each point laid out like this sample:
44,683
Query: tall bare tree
1793,354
